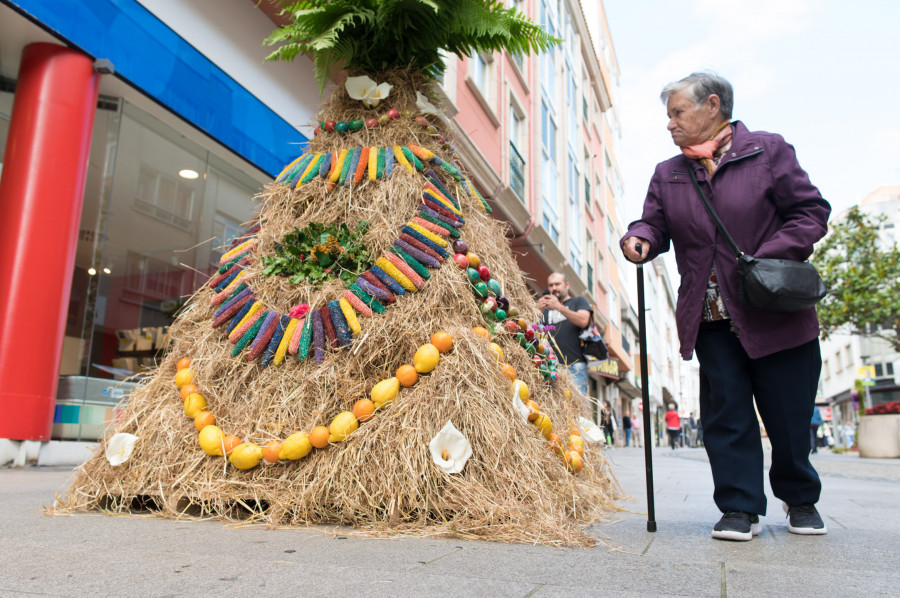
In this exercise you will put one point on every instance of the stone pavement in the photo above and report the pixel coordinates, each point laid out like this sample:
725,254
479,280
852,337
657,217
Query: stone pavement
96,555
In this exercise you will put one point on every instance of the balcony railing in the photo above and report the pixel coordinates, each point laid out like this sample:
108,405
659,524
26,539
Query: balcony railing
516,171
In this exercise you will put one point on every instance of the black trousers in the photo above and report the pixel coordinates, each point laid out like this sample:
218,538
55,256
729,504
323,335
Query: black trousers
784,385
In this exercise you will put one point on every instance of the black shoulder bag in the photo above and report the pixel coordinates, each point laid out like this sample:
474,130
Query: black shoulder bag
770,283
592,341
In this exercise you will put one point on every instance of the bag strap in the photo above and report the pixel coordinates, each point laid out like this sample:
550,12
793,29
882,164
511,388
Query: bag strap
712,213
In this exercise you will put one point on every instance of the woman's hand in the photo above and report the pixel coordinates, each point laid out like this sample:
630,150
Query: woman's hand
629,248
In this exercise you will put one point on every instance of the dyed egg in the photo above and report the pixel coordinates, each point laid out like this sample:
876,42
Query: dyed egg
494,286
460,246
441,140
520,338
553,363
384,119
393,114
461,261
529,335
500,314
487,310
531,350
422,121
407,113
316,131
522,324
503,302
491,303
328,125
372,123
542,349
481,290
554,376
472,273
512,312
474,260
536,361
510,327
355,125
341,127
484,273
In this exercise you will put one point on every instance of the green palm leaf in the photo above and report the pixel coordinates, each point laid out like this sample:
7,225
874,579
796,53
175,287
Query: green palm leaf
378,35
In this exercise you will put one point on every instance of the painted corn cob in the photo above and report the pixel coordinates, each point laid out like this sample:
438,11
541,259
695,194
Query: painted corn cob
394,272
286,339
424,247
411,158
436,239
404,269
350,315
237,319
341,328
306,338
440,200
435,180
275,342
422,153
373,163
440,209
237,266
422,256
253,314
325,165
440,193
382,164
412,262
370,284
449,221
235,282
318,336
297,170
312,171
238,250
417,235
445,229
288,168
231,311
348,165
297,334
338,167
361,167
357,304
263,336
220,298
328,327
401,159
366,298
451,169
249,335
394,286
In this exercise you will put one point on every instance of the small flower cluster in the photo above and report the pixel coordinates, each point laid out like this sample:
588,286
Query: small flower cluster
884,409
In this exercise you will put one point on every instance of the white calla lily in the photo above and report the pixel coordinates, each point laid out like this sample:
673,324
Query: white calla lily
365,89
120,447
424,106
450,449
590,430
521,408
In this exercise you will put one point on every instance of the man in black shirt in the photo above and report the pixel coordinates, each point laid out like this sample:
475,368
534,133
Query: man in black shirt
570,315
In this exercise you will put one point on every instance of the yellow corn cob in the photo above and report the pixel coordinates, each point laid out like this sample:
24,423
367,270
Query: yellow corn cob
392,271
421,153
435,197
427,234
373,163
350,315
285,341
339,167
226,257
309,167
401,159
234,283
250,313
289,166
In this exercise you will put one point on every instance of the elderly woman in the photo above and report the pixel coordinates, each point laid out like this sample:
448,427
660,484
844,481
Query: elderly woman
767,203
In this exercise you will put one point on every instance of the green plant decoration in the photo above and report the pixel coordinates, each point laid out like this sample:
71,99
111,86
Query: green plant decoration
380,35
319,252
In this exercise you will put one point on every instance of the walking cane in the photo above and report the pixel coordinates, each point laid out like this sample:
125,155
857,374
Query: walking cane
645,395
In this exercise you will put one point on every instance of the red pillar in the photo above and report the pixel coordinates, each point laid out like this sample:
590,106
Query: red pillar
41,193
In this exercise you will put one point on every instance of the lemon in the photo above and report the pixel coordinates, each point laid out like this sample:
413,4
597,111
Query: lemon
211,440
573,461
385,391
344,424
426,358
575,440
522,389
544,425
246,456
296,446
194,404
496,351
184,376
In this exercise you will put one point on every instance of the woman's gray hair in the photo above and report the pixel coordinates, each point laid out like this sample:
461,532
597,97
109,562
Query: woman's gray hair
699,86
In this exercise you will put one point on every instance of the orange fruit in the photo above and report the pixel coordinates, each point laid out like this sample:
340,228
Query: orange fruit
272,451
230,442
577,448
482,332
574,462
363,409
203,419
185,376
319,437
535,410
508,371
442,340
407,375
183,363
187,390
426,358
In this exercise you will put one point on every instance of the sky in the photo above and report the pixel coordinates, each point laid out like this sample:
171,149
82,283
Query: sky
825,74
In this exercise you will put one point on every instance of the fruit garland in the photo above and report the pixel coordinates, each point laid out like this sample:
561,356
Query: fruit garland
247,455
330,126
422,244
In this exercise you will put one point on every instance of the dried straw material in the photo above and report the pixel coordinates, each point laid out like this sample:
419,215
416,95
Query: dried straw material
381,479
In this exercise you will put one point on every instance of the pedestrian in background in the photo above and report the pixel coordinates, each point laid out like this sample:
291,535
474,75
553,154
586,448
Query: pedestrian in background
636,425
766,201
673,426
569,315
626,427
814,424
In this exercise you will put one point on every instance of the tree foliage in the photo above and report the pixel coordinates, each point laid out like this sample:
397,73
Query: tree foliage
863,279
379,35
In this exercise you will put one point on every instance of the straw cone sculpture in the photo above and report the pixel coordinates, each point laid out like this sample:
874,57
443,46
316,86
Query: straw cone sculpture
305,367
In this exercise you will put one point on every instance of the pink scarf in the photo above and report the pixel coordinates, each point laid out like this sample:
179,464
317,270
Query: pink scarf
705,151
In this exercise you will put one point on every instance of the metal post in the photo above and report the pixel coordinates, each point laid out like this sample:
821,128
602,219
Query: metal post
645,395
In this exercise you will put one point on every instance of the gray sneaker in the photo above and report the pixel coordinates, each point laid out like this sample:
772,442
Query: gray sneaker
737,526
804,520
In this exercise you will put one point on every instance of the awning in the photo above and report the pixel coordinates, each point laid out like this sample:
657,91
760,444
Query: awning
606,368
